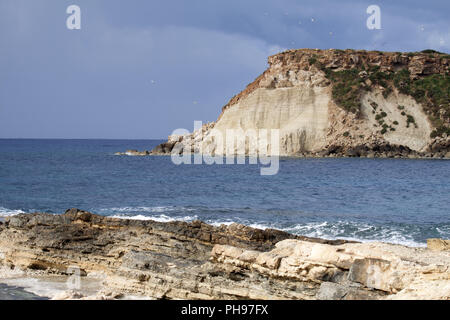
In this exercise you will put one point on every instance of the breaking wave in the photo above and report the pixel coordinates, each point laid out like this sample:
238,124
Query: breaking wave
4,212
404,234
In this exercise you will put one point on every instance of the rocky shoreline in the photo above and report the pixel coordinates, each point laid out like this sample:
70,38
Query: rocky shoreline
179,260
382,151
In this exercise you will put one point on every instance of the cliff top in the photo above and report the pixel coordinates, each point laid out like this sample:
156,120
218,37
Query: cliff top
421,63
423,75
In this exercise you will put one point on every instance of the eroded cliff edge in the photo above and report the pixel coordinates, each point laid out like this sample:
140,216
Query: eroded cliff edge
340,103
180,260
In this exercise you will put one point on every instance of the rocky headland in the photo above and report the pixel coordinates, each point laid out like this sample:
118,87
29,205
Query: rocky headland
339,103
179,260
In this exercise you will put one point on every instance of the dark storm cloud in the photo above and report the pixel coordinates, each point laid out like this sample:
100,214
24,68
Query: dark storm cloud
139,69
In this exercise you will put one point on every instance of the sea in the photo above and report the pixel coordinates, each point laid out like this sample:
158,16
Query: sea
401,201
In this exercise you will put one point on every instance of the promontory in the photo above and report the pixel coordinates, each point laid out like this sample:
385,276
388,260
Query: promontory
330,103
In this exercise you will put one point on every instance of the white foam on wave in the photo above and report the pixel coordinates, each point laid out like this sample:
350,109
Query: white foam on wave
362,232
444,231
157,209
5,212
344,230
347,230
230,222
150,213
219,223
260,226
160,218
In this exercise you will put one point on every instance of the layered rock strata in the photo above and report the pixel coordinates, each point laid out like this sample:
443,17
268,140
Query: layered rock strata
179,260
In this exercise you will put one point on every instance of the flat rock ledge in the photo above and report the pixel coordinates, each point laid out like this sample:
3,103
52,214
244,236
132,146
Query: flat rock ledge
179,260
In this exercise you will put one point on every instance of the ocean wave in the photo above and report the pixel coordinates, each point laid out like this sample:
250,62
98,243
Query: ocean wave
444,231
5,212
261,226
160,218
157,213
357,231
346,230
157,209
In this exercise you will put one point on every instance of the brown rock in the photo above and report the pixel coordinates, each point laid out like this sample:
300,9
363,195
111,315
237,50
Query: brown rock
438,244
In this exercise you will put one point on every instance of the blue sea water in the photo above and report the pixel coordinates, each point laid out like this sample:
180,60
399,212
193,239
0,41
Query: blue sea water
393,200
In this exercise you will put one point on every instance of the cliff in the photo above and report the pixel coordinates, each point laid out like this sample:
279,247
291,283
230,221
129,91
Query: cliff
340,103
179,260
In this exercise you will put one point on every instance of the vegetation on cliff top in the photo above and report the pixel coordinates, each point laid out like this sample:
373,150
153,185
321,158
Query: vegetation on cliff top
431,91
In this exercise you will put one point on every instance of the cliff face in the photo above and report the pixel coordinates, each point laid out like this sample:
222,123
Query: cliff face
335,102
180,260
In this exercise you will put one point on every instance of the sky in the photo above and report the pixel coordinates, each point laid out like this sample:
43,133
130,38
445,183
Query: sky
139,69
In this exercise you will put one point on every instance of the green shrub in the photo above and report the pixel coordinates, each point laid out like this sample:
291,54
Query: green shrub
402,81
346,88
439,131
312,60
410,119
430,51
